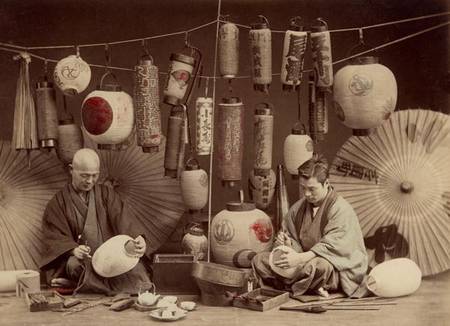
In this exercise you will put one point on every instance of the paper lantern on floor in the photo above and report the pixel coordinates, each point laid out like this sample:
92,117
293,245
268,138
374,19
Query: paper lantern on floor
195,242
180,71
146,105
228,50
47,116
108,114
321,54
261,54
262,188
293,56
365,94
230,140
238,233
204,110
394,278
194,186
72,75
70,140
298,148
263,139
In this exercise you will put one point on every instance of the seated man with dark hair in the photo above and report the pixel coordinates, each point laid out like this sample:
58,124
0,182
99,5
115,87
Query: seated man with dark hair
324,231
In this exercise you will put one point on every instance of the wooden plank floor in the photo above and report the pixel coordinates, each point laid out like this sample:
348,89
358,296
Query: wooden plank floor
430,305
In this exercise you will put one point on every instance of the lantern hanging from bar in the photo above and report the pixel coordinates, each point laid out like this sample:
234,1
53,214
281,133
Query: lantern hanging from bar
282,199
295,40
263,139
194,186
70,137
47,113
72,74
260,38
228,50
203,110
107,114
298,148
318,113
174,153
230,140
261,188
146,104
321,54
181,68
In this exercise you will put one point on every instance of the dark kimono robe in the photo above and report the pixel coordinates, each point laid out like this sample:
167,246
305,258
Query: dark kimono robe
62,227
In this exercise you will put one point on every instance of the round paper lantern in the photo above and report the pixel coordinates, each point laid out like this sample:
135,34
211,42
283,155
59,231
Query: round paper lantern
365,94
108,115
238,233
262,188
194,186
195,243
72,75
298,148
275,255
394,278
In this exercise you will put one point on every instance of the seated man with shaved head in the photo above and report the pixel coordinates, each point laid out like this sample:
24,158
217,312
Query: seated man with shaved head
77,220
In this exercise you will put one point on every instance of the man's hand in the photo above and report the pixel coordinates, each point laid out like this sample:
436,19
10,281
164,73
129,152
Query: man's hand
294,259
136,247
81,252
282,239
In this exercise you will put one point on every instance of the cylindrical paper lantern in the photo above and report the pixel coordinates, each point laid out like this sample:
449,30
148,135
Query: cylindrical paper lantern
178,77
261,55
282,199
261,188
70,140
294,47
365,94
298,148
228,50
318,115
194,186
321,54
72,75
146,105
263,139
175,141
47,115
203,110
108,114
230,140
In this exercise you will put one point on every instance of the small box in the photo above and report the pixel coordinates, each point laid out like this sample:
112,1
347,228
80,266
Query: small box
261,299
41,301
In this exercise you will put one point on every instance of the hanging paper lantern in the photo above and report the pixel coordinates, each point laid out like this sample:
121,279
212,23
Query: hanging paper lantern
238,233
194,186
318,115
107,114
365,94
203,110
175,141
298,148
321,54
178,77
72,75
47,116
294,47
70,140
228,50
230,140
263,139
282,199
146,105
261,188
261,55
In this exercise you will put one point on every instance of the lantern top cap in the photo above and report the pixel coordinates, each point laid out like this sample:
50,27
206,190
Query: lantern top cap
44,84
264,108
236,206
320,26
110,88
298,129
192,164
183,58
263,23
231,100
196,230
295,24
364,60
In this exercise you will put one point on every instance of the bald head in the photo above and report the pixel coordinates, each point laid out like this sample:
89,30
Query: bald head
85,169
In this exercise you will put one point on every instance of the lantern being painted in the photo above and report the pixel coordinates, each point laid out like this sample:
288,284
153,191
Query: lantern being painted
263,139
72,75
178,77
194,186
365,94
238,233
108,114
146,100
261,55
203,110
228,50
47,116
298,148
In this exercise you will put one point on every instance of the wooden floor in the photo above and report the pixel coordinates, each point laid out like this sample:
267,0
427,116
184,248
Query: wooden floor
430,305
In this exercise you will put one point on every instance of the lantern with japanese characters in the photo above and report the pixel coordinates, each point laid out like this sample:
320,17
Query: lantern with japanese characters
228,50
238,233
261,188
108,114
365,94
180,71
321,53
261,54
298,148
194,186
203,111
263,139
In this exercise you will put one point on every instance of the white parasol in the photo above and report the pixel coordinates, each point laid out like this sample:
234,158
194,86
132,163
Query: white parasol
398,181
27,183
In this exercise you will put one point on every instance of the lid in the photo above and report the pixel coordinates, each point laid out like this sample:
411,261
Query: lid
298,129
67,121
44,84
263,23
320,26
295,24
364,60
264,108
109,88
236,206
192,164
231,100
196,230
182,58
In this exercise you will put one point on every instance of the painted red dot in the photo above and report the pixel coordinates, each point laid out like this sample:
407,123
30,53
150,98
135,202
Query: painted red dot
97,115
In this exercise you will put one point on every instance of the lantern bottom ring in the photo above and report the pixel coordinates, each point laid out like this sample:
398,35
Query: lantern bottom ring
50,142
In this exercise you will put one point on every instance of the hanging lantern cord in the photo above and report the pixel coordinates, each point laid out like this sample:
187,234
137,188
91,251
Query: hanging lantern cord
77,50
299,99
230,87
361,36
145,49
107,58
45,70
206,86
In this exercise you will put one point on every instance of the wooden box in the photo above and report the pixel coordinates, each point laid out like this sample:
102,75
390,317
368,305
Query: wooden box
261,299
41,301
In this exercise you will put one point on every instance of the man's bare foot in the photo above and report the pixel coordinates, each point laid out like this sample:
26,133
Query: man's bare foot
322,292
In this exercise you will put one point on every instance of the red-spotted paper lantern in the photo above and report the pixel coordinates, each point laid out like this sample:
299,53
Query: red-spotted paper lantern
365,94
180,71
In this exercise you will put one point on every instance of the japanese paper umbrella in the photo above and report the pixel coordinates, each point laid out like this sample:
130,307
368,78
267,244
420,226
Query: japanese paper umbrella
398,181
25,189
154,200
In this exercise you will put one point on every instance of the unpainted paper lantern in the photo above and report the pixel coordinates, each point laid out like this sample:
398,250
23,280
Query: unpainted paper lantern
72,75
146,105
365,94
174,152
298,148
178,77
194,186
260,39
70,140
108,114
262,188
203,110
228,50
394,278
47,114
195,243
238,233
321,54
263,138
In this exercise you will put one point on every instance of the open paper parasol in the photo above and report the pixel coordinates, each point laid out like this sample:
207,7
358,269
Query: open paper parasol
154,200
398,181
24,192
